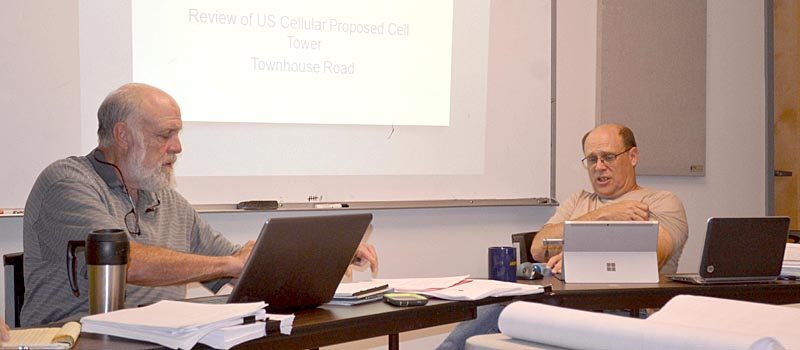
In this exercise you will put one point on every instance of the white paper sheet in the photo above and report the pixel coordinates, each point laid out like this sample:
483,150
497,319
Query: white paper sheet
409,285
575,329
479,289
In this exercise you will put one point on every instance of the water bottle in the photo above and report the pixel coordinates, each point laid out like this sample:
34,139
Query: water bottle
107,253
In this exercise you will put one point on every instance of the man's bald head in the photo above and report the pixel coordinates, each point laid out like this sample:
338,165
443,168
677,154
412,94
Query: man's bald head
125,105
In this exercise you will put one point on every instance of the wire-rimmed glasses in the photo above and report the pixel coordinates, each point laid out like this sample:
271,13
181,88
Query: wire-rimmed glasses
607,158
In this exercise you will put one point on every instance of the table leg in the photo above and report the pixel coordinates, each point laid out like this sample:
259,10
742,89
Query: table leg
394,341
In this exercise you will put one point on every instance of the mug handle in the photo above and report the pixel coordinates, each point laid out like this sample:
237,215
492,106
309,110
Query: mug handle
71,246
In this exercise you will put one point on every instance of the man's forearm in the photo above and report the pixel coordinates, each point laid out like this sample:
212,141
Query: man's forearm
158,266
547,231
664,249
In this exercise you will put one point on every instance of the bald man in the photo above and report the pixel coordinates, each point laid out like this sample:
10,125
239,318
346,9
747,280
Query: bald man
610,156
125,183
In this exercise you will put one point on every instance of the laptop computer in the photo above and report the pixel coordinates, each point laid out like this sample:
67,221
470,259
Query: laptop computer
740,250
297,262
610,252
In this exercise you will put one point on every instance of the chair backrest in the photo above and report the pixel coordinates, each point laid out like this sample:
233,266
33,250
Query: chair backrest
523,241
14,287
794,236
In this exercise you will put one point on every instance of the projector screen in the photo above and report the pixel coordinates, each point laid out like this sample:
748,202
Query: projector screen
301,62
336,100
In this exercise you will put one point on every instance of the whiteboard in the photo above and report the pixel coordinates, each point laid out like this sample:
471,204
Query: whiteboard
57,79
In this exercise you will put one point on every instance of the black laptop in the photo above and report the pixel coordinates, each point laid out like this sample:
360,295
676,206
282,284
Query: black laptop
297,262
741,250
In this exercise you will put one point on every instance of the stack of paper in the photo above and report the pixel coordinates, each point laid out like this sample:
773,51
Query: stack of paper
356,293
460,287
174,324
227,337
283,323
685,322
791,260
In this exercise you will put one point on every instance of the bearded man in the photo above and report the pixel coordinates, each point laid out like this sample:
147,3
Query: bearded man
125,183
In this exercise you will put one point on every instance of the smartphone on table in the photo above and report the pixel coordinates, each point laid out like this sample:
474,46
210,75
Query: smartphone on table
405,299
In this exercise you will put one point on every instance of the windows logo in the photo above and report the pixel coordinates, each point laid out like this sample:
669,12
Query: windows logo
611,267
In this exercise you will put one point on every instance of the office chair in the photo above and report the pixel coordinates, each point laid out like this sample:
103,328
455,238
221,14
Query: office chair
794,236
525,240
14,287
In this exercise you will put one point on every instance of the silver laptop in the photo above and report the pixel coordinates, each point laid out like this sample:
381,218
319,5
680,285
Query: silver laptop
610,251
741,250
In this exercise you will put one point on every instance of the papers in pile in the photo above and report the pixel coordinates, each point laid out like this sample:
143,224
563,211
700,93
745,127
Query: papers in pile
460,287
285,322
174,324
791,260
227,337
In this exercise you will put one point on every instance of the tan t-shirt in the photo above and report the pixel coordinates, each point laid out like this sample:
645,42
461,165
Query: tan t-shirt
664,206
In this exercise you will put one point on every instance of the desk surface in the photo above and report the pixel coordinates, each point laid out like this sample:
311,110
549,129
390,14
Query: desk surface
591,296
329,325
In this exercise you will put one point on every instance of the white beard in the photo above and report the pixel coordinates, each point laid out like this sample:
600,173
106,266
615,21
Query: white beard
152,179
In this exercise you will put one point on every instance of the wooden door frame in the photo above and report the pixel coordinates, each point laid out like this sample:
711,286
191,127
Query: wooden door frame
769,74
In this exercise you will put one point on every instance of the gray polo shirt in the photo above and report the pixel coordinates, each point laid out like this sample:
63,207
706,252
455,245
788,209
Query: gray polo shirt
76,195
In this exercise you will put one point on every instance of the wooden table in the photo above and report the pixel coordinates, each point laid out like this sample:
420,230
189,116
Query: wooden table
329,325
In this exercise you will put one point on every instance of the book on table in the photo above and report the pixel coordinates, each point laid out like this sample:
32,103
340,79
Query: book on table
63,337
349,294
350,301
356,290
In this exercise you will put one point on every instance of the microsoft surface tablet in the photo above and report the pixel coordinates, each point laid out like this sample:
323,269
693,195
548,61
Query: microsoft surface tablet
610,251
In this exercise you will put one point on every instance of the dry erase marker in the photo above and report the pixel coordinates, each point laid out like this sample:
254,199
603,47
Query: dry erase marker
331,205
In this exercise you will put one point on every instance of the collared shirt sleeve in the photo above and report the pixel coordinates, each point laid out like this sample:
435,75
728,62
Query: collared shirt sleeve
207,241
668,209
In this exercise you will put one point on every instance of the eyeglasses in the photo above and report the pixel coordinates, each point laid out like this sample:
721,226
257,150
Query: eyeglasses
607,158
131,218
